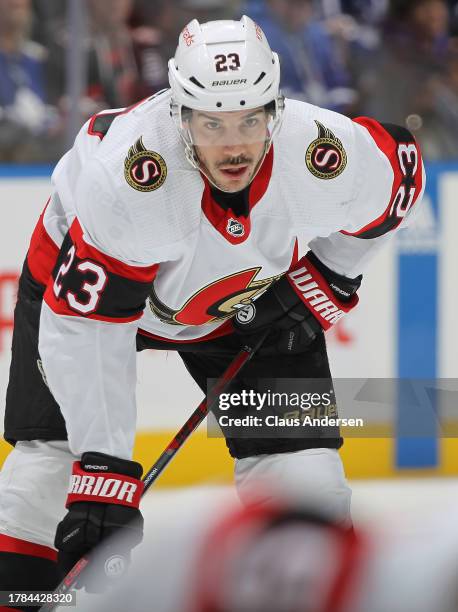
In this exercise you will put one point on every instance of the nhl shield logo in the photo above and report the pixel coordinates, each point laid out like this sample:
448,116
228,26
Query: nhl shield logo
144,170
326,157
235,228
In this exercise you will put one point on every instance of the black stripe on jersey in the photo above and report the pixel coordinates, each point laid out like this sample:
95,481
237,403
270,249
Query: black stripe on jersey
100,124
119,299
390,223
398,132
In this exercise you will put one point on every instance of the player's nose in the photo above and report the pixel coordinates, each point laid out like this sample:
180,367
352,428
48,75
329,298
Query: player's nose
234,147
234,151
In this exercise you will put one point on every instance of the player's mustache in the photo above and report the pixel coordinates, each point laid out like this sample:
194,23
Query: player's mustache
235,161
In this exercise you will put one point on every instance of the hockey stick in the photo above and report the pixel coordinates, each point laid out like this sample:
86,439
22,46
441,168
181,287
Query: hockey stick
167,455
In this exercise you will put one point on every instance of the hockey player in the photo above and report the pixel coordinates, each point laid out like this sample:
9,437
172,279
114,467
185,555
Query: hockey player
165,220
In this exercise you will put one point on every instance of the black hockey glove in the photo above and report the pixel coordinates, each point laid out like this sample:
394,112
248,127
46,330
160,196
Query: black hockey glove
103,502
306,300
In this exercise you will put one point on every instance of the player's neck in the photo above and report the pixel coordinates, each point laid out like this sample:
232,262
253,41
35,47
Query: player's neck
237,201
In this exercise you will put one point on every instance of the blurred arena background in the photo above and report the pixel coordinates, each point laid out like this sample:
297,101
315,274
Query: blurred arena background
61,62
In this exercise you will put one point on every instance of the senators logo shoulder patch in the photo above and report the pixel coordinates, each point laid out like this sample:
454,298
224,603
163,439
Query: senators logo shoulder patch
325,156
144,170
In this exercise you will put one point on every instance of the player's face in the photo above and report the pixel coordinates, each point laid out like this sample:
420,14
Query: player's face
230,144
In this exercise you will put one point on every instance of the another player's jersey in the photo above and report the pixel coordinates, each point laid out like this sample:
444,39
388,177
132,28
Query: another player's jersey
132,237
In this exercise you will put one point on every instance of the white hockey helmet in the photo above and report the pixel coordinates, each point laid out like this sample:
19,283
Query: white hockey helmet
223,66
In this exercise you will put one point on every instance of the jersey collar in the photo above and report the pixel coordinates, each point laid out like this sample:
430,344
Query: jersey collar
236,228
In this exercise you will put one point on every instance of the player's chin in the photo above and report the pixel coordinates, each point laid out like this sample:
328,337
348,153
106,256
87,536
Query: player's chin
233,181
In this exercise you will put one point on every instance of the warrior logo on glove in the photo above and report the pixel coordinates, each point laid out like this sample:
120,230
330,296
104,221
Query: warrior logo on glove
326,157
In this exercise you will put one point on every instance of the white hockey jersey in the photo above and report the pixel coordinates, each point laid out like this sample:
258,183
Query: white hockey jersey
132,240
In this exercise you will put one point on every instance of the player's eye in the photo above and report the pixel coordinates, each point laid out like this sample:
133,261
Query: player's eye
251,122
212,125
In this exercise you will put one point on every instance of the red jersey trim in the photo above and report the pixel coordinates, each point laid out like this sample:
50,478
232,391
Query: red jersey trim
110,266
85,251
221,219
22,547
388,145
42,253
295,257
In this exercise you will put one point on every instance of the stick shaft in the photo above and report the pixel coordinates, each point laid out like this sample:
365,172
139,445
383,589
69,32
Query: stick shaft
199,414
171,450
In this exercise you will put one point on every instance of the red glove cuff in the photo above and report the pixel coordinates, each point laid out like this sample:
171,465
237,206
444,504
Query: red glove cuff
317,295
105,487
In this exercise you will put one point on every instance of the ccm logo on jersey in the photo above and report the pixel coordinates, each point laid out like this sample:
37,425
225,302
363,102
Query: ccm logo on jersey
325,156
144,170
314,293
